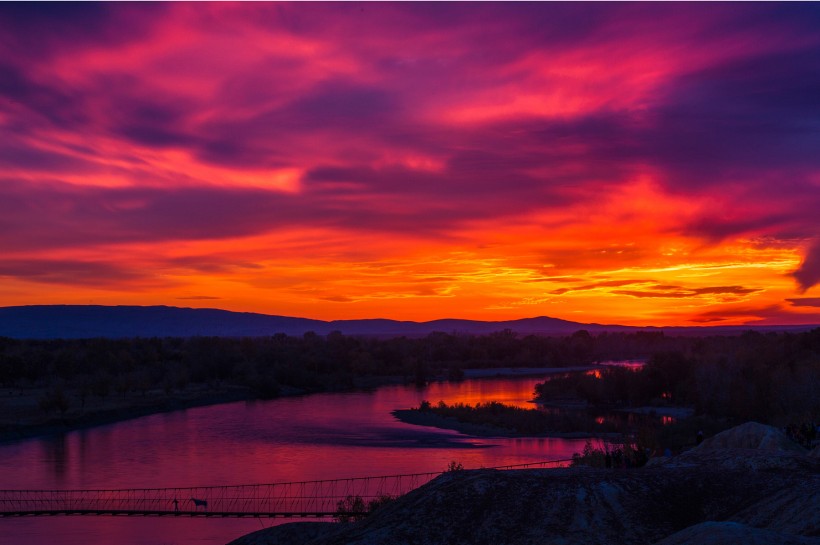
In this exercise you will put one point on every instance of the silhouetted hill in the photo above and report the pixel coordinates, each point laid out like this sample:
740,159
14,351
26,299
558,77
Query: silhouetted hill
731,492
86,321
81,321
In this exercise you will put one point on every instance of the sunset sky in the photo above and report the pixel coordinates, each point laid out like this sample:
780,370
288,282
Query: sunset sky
642,164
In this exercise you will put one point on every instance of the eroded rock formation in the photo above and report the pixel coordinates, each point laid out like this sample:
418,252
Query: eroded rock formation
746,485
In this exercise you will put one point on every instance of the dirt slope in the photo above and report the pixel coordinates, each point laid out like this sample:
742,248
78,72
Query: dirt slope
760,490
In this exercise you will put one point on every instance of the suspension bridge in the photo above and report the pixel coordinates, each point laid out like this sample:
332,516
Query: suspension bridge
303,499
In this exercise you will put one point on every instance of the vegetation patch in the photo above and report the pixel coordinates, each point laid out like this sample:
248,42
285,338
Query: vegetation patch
354,508
511,420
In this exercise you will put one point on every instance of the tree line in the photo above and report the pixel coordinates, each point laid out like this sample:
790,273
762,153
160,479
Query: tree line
770,378
752,376
310,362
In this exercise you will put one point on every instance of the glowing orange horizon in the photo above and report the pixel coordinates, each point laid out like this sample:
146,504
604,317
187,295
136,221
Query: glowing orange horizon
360,161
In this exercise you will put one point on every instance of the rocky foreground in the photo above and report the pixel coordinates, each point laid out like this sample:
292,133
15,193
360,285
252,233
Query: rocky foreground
748,485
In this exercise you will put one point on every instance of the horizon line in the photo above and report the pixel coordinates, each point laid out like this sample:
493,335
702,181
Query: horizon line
421,322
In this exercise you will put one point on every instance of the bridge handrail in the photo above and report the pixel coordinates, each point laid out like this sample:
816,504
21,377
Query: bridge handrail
215,487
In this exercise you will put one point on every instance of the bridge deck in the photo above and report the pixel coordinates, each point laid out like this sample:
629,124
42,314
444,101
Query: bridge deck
307,499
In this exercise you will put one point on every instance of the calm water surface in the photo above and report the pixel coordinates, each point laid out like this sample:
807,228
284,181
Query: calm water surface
322,436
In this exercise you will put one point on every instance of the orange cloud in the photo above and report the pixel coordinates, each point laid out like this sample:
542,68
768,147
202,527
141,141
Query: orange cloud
414,161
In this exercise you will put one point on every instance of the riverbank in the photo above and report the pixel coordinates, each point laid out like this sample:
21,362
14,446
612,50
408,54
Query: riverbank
427,418
22,415
22,418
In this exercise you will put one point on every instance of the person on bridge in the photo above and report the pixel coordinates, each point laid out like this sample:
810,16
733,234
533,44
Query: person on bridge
176,505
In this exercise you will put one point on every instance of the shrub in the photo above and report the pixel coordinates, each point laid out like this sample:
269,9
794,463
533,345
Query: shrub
55,399
353,508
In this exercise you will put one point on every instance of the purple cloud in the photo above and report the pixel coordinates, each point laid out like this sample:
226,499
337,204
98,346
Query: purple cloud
808,274
73,272
805,301
143,124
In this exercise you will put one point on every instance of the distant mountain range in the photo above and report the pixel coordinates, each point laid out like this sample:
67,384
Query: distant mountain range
87,321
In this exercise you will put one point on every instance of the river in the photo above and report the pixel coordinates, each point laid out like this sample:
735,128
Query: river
320,436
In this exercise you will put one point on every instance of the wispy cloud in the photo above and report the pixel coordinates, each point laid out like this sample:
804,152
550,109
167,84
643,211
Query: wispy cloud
219,148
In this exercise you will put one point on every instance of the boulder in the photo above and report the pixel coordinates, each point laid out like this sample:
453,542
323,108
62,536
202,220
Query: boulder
750,435
750,446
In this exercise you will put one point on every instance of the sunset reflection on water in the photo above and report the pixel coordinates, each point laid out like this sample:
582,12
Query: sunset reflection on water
321,436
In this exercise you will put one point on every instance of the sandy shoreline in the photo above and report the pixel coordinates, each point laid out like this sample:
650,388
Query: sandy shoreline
419,418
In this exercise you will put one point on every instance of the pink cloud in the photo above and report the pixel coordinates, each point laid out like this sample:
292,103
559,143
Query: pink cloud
128,124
